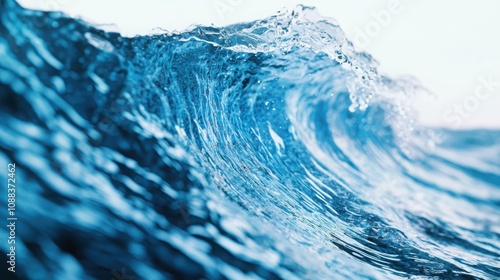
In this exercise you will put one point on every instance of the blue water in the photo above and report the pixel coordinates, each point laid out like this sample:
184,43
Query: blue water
263,150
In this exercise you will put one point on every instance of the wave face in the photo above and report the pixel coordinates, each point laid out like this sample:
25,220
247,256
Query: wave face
263,150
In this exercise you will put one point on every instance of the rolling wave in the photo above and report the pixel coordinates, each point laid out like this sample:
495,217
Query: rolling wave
263,150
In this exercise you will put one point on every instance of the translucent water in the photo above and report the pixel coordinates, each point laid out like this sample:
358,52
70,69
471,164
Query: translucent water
264,150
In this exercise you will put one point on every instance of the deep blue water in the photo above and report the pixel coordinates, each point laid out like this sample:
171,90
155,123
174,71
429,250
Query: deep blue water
263,150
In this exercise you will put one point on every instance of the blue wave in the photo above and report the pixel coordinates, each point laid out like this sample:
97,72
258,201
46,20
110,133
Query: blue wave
264,150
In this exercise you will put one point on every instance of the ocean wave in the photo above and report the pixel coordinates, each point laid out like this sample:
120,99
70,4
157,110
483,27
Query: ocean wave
263,150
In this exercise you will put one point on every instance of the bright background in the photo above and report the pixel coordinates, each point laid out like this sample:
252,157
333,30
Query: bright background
447,45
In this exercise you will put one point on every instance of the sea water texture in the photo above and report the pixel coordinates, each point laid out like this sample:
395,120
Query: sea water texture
262,150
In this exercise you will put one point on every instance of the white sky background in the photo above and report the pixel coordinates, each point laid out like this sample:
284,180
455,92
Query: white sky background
448,45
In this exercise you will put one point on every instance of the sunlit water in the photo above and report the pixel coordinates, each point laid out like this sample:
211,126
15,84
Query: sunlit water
262,150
